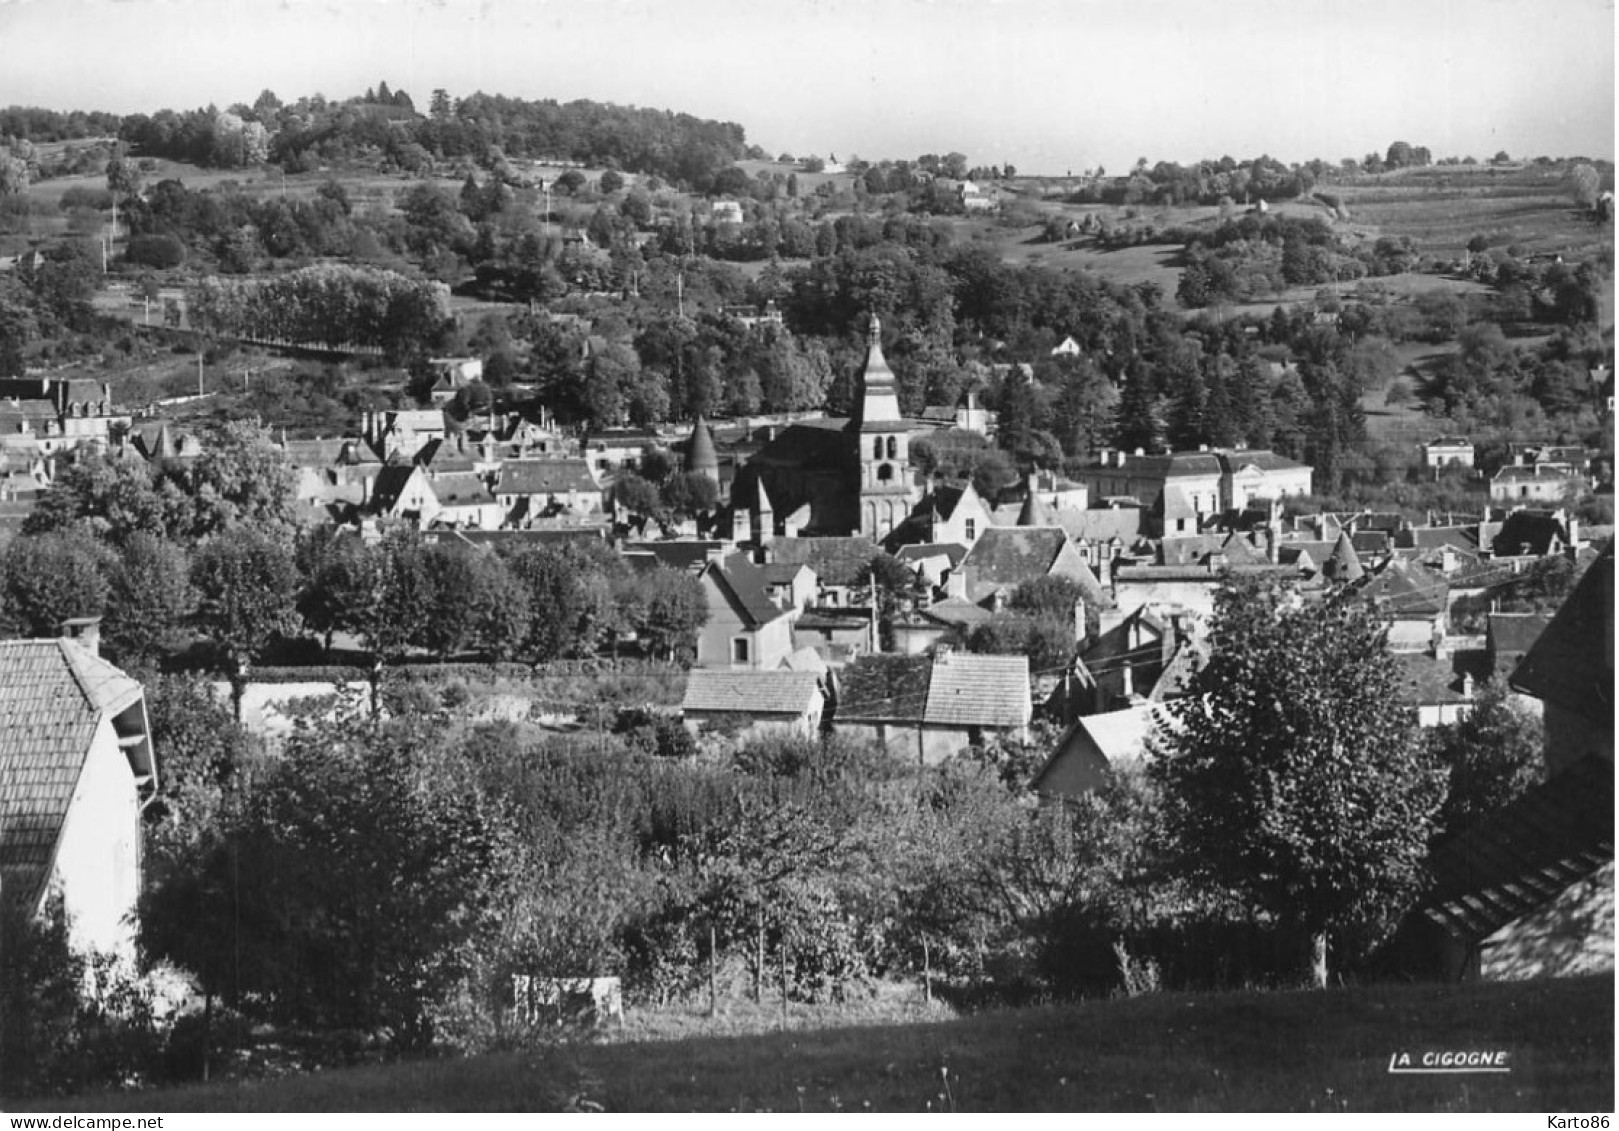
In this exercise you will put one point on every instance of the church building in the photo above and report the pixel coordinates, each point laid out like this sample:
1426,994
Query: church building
847,477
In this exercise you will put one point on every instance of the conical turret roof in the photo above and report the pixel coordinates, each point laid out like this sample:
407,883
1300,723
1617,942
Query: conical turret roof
700,453
1343,564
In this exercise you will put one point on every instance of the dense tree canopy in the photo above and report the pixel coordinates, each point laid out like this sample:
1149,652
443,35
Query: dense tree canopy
1292,774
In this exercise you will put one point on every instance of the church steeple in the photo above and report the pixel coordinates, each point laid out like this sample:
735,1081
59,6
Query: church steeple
879,391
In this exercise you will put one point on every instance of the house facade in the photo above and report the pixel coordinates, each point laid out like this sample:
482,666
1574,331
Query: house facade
745,629
76,769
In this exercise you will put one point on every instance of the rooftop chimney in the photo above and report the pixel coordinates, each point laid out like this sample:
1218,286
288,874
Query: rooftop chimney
86,631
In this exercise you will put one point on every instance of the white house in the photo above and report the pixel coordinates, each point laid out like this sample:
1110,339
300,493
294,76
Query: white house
76,768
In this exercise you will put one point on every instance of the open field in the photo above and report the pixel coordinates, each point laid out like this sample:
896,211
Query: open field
1277,1051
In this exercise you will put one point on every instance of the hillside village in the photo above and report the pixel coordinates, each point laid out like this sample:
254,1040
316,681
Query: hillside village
807,617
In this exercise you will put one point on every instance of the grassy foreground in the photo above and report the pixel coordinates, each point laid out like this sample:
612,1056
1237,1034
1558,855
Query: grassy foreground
1276,1051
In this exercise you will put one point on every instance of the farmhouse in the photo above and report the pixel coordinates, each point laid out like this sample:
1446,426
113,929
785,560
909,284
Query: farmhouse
76,768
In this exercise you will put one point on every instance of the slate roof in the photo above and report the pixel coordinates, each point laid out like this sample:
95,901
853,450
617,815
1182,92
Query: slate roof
1261,458
957,611
1437,537
1525,854
836,561
777,692
679,553
1343,565
922,551
1102,524
1571,665
389,484
1426,681
1011,555
745,583
460,489
1510,633
700,453
1530,532
545,477
53,694
318,454
1408,588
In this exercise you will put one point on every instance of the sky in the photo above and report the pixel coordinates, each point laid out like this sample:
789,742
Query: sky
1050,86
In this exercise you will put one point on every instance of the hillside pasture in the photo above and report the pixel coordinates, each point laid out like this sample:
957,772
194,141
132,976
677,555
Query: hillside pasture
1290,1051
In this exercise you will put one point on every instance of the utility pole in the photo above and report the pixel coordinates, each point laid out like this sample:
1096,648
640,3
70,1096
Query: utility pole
199,369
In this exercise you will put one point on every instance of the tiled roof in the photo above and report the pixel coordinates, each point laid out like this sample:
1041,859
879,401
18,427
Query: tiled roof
955,689
1524,855
750,693
53,693
545,477
1571,665
884,688
972,690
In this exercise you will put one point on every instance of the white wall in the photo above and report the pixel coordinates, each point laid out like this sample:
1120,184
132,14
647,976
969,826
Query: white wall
98,864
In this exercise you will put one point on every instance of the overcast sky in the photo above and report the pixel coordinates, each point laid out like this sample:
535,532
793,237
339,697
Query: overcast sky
1049,85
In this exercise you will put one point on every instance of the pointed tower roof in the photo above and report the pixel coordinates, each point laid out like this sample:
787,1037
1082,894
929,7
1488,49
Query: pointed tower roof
1343,565
700,453
1035,512
879,391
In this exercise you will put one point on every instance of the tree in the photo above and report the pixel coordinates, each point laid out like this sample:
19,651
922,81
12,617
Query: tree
1584,184
149,601
246,587
50,578
1493,754
1292,775
241,479
674,609
350,888
689,494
